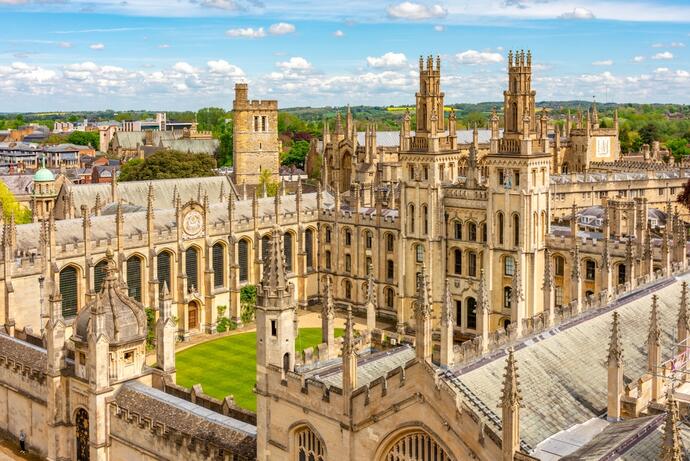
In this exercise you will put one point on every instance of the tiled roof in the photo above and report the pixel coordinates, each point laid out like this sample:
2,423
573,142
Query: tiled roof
22,352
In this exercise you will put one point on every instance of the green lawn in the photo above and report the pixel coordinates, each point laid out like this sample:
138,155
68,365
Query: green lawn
227,365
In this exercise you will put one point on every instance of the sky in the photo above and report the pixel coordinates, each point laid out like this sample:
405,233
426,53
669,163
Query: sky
62,55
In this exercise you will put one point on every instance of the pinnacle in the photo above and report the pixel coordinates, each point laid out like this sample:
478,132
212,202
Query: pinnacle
511,396
615,345
654,334
671,448
484,299
275,276
447,313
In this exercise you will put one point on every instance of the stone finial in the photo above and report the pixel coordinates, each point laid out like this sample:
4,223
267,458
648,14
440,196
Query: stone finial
447,317
119,217
511,396
174,196
484,298
606,256
615,356
97,205
150,198
424,302
683,316
671,448
548,274
328,305
516,286
576,270
371,286
349,337
654,333
275,276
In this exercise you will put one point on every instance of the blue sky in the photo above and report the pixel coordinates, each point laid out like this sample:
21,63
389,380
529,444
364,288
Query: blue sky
187,54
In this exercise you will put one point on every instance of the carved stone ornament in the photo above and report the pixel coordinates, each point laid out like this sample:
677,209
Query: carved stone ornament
193,223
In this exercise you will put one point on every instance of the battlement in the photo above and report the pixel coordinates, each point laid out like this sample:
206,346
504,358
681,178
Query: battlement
256,104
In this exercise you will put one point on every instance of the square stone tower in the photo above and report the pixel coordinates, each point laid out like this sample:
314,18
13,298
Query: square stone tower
256,146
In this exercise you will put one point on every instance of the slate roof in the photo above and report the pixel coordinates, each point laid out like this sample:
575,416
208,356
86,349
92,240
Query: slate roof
19,184
563,375
369,367
185,417
649,448
22,352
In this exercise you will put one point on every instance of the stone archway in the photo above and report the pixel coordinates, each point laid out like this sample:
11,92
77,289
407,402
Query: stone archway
81,422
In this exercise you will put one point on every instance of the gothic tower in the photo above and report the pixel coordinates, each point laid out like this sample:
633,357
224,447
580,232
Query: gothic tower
429,98
256,146
518,99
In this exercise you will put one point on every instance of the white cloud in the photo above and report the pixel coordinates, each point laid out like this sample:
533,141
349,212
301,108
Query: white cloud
184,68
281,28
229,5
416,11
605,62
677,45
389,59
578,13
163,46
474,57
666,55
295,63
97,46
65,44
439,28
657,45
247,32
638,58
339,33
224,68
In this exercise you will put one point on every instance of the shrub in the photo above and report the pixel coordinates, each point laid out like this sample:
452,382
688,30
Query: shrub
247,303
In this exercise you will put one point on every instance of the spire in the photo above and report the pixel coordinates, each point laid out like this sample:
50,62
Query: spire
150,197
615,356
654,333
683,316
447,317
328,305
511,396
349,336
484,298
511,401
275,276
423,308
671,447
471,181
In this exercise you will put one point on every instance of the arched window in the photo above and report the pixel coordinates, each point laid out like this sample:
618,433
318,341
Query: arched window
472,232
458,230
516,229
368,239
309,446
134,277
621,274
507,297
348,237
419,253
509,266
485,235
472,264
458,261
558,299
163,269
390,242
458,313
348,263
514,112
410,217
218,265
81,424
471,305
390,298
309,249
99,275
499,221
559,264
327,235
390,269
416,446
327,258
192,268
69,291
425,217
348,290
243,258
590,270
287,251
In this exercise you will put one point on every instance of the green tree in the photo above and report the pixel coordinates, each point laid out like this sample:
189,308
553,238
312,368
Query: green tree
296,154
247,303
649,133
266,181
679,147
225,148
11,206
168,164
211,118
84,138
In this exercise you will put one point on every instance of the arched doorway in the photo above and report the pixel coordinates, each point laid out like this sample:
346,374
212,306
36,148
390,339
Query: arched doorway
82,434
416,445
193,316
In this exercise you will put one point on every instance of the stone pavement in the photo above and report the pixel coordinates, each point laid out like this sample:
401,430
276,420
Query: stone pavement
9,451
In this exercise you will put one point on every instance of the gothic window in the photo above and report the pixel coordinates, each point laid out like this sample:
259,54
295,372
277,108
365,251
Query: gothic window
134,277
368,239
501,177
348,263
411,217
264,126
327,234
348,290
559,265
348,237
309,249
416,446
558,291
509,266
485,235
458,262
309,446
500,227
218,265
425,217
390,242
390,298
458,313
419,253
327,257
472,264
426,173
507,297
516,229
264,247
472,232
458,230
590,269
163,269
243,259
99,275
516,176
621,274
192,268
471,305
514,115
69,291
287,251
81,422
390,269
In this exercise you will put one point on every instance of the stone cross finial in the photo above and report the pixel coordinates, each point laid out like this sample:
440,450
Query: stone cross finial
671,447
654,333
511,396
615,355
